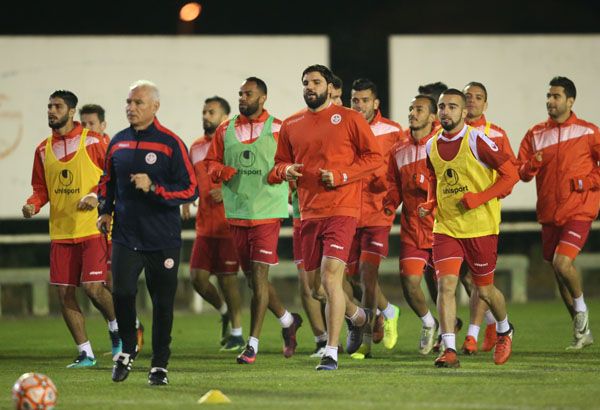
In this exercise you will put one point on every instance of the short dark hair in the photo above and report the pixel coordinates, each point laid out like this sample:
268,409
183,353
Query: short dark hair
432,102
362,84
454,91
221,101
93,109
479,85
433,89
325,72
67,96
566,84
336,82
260,84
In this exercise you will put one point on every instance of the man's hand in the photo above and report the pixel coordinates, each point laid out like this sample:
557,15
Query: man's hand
28,210
580,184
185,210
292,172
103,223
141,181
420,181
88,202
388,211
227,173
469,201
216,194
425,208
327,178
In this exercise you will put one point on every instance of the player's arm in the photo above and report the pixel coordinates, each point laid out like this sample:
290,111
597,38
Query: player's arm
106,192
284,169
529,158
426,208
508,174
591,181
218,171
393,197
39,197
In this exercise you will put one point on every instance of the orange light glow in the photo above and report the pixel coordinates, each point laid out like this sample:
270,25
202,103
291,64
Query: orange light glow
190,11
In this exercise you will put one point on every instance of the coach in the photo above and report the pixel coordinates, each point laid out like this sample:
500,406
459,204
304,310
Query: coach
147,176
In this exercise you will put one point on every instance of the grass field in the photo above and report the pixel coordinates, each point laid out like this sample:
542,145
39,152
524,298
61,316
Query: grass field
539,375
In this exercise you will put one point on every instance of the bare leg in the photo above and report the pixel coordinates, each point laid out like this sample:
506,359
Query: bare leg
231,292
258,281
332,272
494,298
72,313
312,306
101,299
568,279
202,285
411,286
446,302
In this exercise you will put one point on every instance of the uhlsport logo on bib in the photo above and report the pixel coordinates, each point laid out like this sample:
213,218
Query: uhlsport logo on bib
65,177
150,158
247,158
451,177
336,119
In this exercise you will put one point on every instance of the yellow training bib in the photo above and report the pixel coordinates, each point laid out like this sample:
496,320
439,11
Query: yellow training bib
68,182
464,173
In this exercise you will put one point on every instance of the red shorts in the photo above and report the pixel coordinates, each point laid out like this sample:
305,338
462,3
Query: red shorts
567,239
413,260
326,237
297,245
72,264
256,244
369,239
480,254
214,255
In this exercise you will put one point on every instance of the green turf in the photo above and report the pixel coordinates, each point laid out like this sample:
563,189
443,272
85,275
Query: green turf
539,375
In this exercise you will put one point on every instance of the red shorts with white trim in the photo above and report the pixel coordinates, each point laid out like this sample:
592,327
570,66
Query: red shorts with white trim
214,255
480,254
326,237
567,239
256,244
72,264
413,260
297,242
369,239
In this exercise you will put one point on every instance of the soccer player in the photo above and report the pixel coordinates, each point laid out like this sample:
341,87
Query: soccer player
408,179
371,240
477,103
328,149
337,90
92,117
241,156
147,176
465,191
66,169
213,252
562,153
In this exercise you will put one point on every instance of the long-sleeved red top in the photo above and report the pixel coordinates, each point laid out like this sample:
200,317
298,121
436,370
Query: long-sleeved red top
495,133
64,148
247,131
570,150
335,139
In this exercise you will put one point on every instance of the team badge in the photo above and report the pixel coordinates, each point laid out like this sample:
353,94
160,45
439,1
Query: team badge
150,158
169,263
336,119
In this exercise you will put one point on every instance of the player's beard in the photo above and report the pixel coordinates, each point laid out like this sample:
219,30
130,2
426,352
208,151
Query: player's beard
59,122
248,109
209,127
317,102
449,125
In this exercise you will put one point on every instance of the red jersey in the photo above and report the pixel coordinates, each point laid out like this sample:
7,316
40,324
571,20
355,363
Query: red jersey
247,131
336,139
210,217
64,148
387,133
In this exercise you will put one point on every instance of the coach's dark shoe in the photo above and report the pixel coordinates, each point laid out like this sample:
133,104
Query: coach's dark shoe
289,336
327,363
122,366
158,376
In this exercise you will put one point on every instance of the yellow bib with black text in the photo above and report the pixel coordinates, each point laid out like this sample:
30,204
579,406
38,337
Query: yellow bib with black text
464,173
68,182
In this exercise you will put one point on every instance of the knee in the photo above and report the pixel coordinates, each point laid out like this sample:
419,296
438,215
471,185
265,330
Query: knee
305,290
485,293
562,264
93,290
66,295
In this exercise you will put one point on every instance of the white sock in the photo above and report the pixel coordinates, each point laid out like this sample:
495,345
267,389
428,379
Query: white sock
377,312
236,331
87,348
223,309
331,351
503,326
286,320
113,326
389,312
579,304
253,342
358,316
321,338
489,317
428,320
449,340
137,323
473,331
